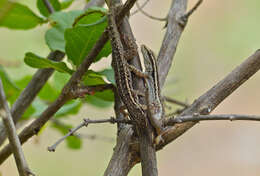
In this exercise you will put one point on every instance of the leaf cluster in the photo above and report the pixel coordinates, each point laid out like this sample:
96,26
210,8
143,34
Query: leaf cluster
73,32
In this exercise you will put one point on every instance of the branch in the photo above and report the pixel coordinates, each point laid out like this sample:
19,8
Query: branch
85,123
140,7
81,91
196,118
84,136
65,95
206,103
148,15
48,6
12,136
26,97
98,3
177,102
175,28
147,152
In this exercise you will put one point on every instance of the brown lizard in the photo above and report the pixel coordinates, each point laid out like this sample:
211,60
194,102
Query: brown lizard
138,112
123,73
155,109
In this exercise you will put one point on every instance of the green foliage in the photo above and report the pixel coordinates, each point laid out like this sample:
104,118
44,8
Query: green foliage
10,87
73,142
72,32
38,62
43,9
48,93
54,37
18,16
109,73
80,39
66,3
70,108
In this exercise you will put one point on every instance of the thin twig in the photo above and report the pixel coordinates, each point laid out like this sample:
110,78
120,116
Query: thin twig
83,136
85,123
184,18
177,102
95,137
81,91
148,15
12,136
197,118
92,3
48,6
140,7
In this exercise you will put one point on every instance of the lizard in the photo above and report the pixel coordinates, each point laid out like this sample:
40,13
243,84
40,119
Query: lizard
153,111
155,108
123,75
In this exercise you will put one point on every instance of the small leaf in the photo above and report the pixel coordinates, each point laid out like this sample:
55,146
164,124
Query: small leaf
10,87
99,99
54,37
73,142
43,9
66,3
68,109
80,40
28,113
35,61
48,93
92,78
106,95
59,80
95,101
109,74
18,16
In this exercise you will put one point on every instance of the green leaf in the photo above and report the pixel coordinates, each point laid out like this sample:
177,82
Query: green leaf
10,87
107,95
22,83
70,108
59,80
28,113
18,16
80,39
54,37
73,142
66,3
35,61
48,93
95,101
109,74
43,9
92,78
99,99
39,107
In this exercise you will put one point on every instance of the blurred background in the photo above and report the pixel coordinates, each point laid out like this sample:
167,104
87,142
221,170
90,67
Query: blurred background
219,36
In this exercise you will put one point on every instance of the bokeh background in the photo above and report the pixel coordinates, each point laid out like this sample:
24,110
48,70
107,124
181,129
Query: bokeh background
219,36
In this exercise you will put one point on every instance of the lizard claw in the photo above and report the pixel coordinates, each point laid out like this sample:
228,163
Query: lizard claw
159,139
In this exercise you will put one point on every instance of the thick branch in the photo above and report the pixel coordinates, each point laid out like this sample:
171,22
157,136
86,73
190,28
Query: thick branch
123,158
213,97
21,163
177,19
